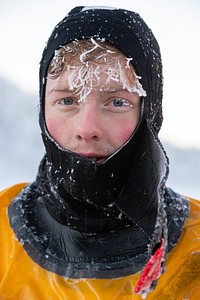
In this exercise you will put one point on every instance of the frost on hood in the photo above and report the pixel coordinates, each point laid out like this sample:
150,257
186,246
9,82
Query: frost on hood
85,60
98,7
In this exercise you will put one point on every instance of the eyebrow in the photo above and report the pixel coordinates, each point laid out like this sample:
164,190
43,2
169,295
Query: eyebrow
63,90
117,90
110,91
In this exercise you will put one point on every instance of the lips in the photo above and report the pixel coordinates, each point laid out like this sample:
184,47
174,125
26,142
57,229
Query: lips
94,156
100,160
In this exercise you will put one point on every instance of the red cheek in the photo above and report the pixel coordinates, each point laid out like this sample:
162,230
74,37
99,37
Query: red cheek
54,128
124,133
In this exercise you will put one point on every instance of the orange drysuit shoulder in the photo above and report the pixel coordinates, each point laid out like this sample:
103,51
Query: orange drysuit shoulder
22,279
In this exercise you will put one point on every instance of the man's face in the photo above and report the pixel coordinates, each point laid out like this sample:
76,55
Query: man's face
92,117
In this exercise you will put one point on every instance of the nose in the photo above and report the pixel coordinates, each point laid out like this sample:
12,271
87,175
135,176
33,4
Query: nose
89,123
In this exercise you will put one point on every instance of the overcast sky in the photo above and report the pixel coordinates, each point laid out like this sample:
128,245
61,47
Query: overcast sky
26,25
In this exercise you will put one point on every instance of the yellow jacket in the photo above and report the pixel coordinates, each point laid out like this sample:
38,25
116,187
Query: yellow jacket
23,279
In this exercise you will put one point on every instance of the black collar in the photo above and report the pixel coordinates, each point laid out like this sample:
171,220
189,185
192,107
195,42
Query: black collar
77,239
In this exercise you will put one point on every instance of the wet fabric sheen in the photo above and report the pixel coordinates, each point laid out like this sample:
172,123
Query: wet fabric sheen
22,279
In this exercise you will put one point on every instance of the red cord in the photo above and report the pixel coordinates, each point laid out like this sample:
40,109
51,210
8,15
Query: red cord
151,271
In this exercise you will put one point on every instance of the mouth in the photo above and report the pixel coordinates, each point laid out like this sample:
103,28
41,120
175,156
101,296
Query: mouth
95,157
99,160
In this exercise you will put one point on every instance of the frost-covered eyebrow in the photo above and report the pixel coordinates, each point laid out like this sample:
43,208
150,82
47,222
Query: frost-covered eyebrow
102,90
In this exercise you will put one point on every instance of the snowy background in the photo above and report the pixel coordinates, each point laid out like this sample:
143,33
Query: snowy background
24,28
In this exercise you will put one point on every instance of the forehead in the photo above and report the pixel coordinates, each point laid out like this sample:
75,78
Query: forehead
90,76
88,64
82,79
83,52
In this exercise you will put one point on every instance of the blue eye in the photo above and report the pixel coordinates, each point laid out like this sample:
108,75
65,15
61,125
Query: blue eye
68,101
118,102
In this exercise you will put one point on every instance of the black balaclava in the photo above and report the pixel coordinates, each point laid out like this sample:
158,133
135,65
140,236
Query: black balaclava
85,220
81,177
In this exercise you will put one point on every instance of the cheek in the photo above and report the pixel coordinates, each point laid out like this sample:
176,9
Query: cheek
122,132
54,127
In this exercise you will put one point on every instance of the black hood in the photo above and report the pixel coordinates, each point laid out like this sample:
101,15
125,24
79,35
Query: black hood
130,182
113,214
81,177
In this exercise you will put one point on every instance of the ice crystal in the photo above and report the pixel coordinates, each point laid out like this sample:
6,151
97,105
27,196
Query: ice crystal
84,65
